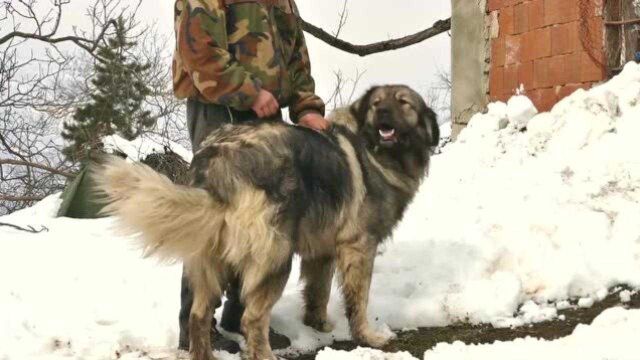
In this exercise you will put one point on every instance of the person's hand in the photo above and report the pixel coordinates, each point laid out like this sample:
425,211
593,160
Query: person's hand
314,121
265,104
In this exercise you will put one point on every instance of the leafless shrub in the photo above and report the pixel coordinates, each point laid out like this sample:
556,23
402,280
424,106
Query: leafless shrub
45,76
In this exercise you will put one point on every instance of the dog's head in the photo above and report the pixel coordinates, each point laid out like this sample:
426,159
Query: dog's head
395,118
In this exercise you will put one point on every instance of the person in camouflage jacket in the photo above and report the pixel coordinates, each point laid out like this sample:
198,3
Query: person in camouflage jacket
236,61
229,50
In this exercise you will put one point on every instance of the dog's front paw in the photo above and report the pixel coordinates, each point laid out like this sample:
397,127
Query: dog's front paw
317,323
373,339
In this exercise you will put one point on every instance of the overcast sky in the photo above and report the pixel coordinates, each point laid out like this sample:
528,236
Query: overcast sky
369,21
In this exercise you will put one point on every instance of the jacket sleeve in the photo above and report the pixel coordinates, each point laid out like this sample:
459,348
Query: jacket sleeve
304,98
202,46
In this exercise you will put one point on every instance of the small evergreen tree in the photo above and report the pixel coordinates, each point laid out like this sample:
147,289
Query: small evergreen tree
116,106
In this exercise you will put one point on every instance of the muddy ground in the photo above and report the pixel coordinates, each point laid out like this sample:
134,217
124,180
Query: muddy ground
417,342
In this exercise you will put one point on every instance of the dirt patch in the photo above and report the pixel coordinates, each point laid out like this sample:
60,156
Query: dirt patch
417,342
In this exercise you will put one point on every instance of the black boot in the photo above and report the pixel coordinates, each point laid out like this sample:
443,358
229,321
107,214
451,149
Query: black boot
232,315
218,342
233,308
186,300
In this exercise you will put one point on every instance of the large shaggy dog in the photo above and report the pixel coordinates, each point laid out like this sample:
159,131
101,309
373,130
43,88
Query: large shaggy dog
260,194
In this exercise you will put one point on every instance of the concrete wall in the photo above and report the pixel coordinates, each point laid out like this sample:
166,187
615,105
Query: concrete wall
470,31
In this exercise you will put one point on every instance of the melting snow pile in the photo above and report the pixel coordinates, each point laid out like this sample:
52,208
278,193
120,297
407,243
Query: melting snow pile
613,336
524,211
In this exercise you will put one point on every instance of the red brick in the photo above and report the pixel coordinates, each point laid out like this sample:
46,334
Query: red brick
521,18
558,70
543,99
574,29
565,38
560,11
572,67
500,97
496,81
594,34
536,97
510,78
493,5
536,14
525,75
541,43
506,21
511,2
566,90
497,52
513,49
527,46
541,77
590,70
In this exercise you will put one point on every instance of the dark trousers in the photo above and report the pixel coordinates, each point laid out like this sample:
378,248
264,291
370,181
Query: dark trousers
202,119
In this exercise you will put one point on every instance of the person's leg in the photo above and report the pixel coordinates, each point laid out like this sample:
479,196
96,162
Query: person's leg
233,307
202,119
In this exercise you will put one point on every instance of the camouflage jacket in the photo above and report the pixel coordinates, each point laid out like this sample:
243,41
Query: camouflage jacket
226,50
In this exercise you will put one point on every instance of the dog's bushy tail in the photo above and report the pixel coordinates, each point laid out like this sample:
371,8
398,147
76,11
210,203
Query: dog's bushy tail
176,222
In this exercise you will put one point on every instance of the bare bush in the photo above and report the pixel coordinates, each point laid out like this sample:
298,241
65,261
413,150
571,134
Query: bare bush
45,76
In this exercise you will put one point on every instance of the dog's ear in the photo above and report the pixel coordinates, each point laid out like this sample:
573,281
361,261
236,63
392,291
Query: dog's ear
433,129
360,107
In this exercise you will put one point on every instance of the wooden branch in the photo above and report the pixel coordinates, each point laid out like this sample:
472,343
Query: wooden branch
438,27
29,228
37,166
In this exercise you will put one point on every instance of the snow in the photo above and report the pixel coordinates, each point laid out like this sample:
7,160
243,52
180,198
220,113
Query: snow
509,225
586,302
141,147
613,336
625,296
445,130
361,354
520,110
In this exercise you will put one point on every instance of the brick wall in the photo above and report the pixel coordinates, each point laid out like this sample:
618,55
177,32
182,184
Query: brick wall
549,47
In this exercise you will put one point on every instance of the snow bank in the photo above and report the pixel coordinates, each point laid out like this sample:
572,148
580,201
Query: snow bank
75,291
613,336
509,224
508,216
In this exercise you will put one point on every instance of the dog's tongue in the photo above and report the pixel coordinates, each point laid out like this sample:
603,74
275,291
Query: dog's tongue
387,135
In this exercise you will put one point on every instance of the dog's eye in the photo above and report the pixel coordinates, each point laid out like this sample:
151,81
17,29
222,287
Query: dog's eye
403,101
375,102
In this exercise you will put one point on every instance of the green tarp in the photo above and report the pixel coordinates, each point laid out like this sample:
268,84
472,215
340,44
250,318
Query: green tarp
79,201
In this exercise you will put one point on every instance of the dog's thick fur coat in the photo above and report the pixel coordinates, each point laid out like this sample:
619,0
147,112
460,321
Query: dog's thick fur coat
263,192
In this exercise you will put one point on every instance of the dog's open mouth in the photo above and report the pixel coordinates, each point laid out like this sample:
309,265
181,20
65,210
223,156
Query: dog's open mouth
387,134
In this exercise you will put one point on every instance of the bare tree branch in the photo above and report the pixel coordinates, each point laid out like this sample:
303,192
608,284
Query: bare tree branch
438,27
37,166
29,228
89,45
342,20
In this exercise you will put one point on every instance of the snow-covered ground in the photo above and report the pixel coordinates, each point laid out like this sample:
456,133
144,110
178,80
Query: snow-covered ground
509,224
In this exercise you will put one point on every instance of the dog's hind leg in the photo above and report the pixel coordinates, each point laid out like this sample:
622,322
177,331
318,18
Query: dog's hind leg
205,279
317,274
257,314
355,261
